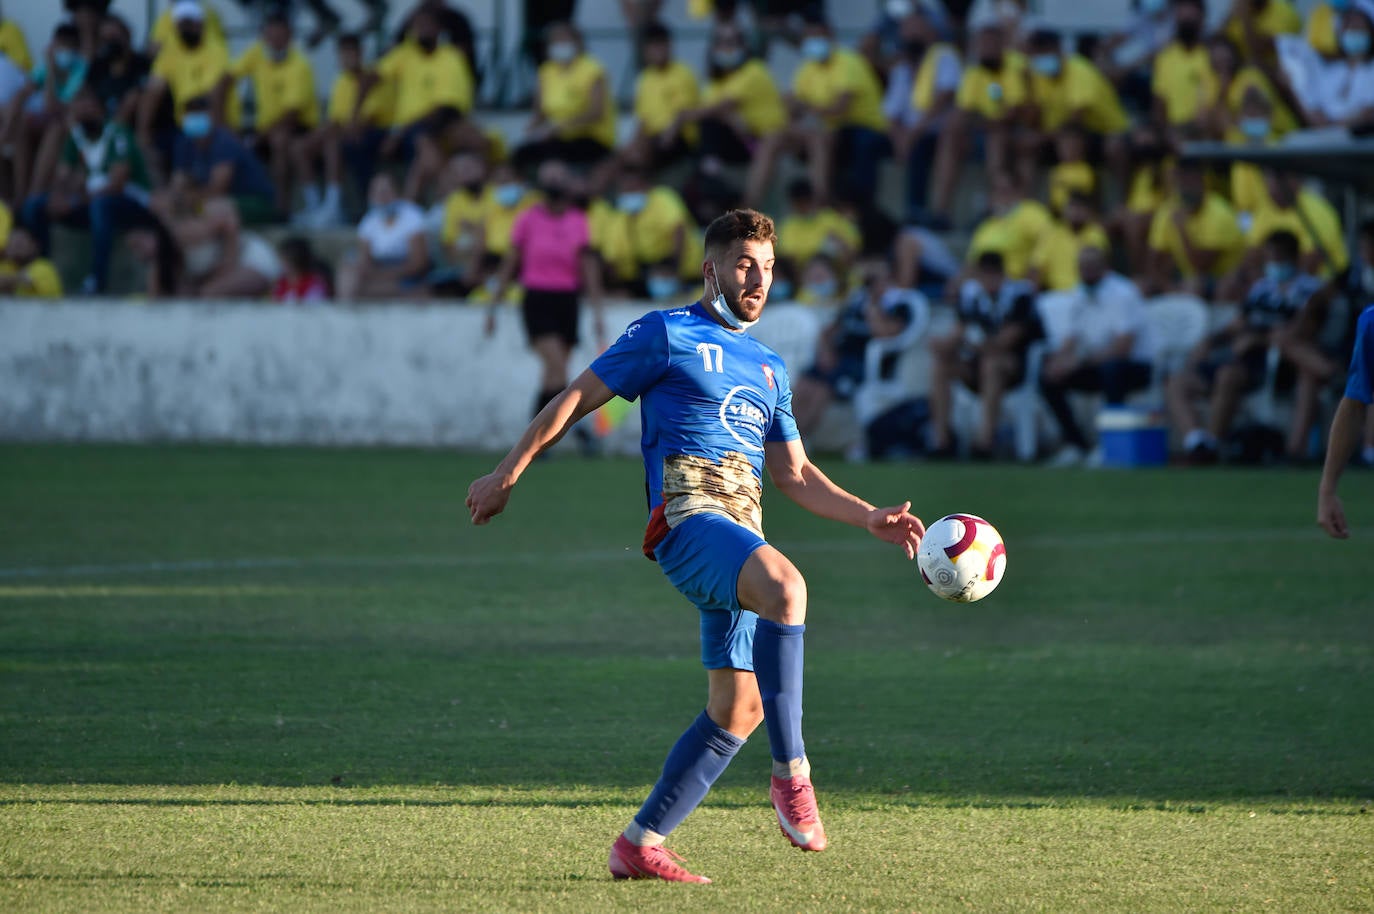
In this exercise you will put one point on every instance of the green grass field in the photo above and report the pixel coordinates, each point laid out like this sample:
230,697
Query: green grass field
299,680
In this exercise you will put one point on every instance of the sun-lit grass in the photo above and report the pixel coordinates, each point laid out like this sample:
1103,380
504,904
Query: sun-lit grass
298,680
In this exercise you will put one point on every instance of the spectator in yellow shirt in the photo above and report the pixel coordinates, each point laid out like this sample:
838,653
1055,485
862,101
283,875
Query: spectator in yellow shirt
659,228
1195,240
191,62
353,132
1015,227
25,274
432,87
1184,83
740,108
810,229
574,113
665,93
1309,216
1054,262
1234,82
166,29
836,121
506,197
991,99
283,85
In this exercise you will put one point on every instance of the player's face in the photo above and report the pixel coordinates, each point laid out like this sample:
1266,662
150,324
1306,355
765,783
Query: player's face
745,274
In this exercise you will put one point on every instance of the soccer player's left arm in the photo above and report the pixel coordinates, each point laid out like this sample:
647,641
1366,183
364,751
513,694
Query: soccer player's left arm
802,481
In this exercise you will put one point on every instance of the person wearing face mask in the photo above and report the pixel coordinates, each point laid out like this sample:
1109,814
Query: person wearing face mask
574,114
354,130
1324,25
1066,91
434,93
1099,343
1235,81
37,112
1183,80
552,257
167,30
810,228
393,253
1054,262
740,108
991,99
884,44
657,226
210,161
193,62
1290,206
875,310
985,350
506,197
1232,362
283,85
1013,229
1252,26
716,406
1343,94
836,120
460,215
101,183
1195,239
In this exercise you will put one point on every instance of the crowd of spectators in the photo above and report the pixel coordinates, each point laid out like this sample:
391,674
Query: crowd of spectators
194,156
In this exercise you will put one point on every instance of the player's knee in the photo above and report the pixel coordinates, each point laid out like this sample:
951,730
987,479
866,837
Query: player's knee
785,598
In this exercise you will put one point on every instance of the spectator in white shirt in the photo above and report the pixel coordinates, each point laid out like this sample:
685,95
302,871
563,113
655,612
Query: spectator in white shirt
1125,58
1101,344
1343,89
393,256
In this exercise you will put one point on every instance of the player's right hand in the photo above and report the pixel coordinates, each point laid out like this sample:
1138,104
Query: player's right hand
487,497
1331,516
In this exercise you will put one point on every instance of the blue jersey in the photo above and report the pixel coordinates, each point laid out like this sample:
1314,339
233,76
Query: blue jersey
1359,384
709,399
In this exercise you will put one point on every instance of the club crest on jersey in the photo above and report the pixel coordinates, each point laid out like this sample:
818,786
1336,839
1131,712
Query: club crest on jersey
768,374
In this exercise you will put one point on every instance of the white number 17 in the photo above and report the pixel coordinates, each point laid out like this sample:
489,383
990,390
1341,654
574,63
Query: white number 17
707,350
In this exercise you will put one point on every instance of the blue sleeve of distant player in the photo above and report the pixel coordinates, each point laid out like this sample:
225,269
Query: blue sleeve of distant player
636,361
1359,383
784,427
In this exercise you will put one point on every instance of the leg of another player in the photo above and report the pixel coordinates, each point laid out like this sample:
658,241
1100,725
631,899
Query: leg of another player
771,586
553,355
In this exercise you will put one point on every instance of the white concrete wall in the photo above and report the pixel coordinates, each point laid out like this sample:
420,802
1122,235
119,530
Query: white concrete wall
397,374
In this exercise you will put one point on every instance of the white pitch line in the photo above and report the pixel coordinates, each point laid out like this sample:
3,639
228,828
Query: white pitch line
857,544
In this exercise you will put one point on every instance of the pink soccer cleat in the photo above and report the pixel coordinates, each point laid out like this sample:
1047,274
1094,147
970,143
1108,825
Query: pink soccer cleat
794,800
630,861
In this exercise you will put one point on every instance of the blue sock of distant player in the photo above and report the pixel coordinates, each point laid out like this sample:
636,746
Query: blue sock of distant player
778,668
694,763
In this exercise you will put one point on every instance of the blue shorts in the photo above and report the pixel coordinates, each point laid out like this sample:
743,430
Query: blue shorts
702,557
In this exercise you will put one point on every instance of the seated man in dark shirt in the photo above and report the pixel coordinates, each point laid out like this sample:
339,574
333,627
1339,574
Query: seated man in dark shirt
986,350
209,161
876,310
118,72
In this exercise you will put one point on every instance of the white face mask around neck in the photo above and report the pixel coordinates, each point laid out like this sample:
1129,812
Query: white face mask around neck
732,320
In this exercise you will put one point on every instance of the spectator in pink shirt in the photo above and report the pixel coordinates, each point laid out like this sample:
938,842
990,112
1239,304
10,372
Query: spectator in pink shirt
551,253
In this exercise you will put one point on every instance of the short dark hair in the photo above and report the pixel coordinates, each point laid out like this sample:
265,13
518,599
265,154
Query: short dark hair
991,260
1285,243
198,103
1366,229
1045,40
800,189
349,40
67,32
739,225
655,33
1196,4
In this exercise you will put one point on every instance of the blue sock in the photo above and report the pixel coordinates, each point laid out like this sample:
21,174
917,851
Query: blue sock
778,668
695,761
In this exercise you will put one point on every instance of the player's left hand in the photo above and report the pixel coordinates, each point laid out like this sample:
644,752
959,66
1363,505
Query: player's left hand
487,497
897,525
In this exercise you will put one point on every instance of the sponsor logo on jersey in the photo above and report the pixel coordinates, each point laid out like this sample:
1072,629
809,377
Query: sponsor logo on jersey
743,419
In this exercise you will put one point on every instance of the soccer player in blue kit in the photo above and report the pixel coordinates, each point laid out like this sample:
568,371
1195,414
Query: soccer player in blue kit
1346,427
716,409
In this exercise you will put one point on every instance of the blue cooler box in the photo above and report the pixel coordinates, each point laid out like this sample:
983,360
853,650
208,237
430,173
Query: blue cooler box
1132,437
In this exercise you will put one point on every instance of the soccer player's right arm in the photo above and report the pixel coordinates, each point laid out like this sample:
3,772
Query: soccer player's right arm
487,497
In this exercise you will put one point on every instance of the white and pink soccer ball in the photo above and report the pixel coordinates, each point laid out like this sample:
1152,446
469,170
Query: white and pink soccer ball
962,558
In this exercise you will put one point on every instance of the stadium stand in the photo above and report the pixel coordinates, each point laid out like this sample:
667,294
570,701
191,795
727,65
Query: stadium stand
218,155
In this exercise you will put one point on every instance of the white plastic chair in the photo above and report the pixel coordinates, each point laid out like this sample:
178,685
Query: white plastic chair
1177,323
880,392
